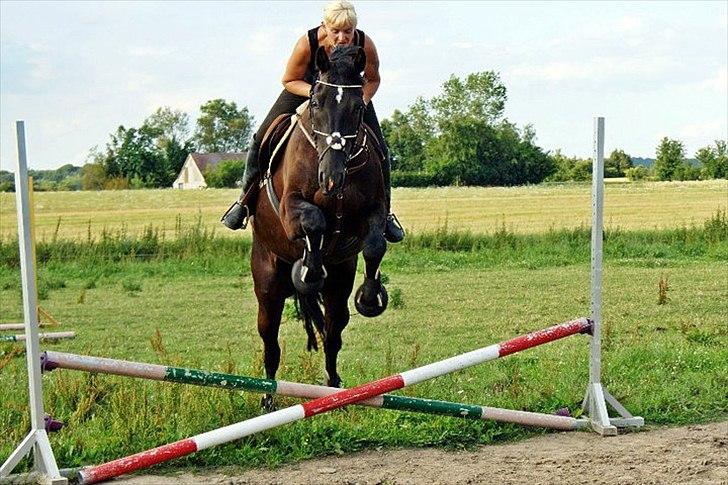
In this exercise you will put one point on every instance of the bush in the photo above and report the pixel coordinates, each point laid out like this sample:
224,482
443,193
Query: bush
227,174
413,179
637,173
117,183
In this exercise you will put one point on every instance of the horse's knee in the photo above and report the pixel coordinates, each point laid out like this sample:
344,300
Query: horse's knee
313,221
375,247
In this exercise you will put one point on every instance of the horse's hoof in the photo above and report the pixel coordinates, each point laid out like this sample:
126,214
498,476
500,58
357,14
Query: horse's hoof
302,280
335,382
267,404
369,300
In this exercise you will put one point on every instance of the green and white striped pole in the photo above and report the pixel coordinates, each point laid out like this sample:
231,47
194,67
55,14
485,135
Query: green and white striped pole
52,360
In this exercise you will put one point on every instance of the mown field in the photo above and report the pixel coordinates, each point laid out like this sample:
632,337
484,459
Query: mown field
521,210
187,301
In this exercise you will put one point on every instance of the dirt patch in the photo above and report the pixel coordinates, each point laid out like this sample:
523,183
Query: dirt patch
692,454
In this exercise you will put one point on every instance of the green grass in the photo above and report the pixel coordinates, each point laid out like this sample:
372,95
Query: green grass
667,362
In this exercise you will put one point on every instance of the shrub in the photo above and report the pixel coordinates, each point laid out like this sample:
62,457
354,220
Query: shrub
637,173
413,179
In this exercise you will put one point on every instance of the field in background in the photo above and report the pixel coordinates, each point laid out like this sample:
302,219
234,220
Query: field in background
521,210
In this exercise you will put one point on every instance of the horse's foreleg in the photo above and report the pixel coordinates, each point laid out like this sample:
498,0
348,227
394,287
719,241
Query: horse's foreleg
303,220
371,297
335,296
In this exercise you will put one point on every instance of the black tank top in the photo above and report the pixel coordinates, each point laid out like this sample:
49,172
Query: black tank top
313,42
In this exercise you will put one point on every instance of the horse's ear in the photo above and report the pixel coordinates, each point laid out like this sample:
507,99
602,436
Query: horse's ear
360,61
322,60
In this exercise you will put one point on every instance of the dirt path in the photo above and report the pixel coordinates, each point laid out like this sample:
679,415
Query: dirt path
692,454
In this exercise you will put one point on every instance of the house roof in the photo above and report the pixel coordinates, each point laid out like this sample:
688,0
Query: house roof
209,160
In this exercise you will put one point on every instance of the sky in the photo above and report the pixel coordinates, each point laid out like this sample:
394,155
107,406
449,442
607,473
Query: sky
75,71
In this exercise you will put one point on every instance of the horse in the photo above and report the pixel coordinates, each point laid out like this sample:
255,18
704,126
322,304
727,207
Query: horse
325,205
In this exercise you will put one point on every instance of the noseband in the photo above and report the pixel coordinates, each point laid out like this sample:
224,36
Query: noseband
335,140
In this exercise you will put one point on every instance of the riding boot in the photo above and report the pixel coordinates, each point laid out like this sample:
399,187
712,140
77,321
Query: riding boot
393,230
236,217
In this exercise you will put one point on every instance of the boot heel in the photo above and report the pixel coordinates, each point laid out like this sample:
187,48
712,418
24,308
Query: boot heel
236,217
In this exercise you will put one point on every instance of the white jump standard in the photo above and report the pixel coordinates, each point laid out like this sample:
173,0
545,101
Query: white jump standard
37,439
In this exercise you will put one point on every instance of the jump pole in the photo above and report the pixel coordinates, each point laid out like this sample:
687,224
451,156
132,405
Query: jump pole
52,360
41,336
18,326
321,405
36,440
597,396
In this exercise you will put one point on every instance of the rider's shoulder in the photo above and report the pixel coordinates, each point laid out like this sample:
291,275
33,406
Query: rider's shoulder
368,42
302,45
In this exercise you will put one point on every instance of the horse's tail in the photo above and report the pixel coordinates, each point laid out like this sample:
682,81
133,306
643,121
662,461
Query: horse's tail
310,309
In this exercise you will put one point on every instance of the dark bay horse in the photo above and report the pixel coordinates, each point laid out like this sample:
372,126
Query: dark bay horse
332,207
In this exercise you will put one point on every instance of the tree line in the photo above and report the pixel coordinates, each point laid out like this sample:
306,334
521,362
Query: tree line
152,154
458,137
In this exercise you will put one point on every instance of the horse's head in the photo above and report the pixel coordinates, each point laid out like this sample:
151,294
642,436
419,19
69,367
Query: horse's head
337,110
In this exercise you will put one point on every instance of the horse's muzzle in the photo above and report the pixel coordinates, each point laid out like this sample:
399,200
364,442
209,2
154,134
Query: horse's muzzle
330,183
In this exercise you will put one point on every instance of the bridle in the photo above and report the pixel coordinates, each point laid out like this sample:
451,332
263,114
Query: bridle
335,140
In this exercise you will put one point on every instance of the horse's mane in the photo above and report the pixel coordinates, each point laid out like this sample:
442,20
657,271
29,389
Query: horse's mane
342,68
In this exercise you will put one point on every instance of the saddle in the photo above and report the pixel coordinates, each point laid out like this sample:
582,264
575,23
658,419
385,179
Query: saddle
270,152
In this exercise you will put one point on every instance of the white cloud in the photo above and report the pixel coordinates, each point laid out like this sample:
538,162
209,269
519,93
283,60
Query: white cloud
712,129
718,82
391,76
140,82
267,41
423,42
186,101
629,24
462,45
599,68
149,51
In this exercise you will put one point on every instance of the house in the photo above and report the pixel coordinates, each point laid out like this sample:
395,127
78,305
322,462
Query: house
192,175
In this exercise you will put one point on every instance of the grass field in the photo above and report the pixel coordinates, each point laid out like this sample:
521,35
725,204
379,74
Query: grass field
193,306
521,209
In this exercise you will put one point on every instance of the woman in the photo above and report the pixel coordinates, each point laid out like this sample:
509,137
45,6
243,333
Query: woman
338,28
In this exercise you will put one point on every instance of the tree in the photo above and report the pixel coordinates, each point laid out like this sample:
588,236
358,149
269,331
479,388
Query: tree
7,181
406,135
569,168
713,160
226,174
222,127
481,97
617,164
93,176
670,159
166,124
476,153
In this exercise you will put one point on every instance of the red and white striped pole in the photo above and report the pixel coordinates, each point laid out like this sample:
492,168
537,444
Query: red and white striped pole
239,430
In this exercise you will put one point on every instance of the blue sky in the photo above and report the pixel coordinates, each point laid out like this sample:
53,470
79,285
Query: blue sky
76,70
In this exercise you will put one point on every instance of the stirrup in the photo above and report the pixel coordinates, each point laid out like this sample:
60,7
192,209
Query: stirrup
236,217
393,230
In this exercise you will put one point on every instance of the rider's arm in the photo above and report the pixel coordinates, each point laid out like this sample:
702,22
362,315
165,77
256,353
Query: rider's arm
293,77
371,71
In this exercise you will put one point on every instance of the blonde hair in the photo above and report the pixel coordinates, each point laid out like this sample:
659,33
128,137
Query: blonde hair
339,14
